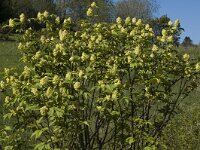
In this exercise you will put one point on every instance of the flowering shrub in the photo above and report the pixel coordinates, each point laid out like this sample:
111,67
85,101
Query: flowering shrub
93,85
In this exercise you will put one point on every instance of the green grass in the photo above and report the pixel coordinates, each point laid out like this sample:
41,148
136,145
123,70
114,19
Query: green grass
194,51
9,56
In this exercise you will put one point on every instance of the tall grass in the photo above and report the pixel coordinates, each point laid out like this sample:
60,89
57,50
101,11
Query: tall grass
9,56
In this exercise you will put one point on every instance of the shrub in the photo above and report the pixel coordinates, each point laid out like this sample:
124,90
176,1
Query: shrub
94,85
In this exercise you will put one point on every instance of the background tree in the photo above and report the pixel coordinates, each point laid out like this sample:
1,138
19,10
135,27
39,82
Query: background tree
158,24
5,10
22,6
44,5
13,8
76,9
187,42
143,9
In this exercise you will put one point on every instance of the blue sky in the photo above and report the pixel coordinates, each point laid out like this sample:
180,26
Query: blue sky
187,11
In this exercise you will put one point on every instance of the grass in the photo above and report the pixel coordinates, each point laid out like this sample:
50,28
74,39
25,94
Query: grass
194,51
9,56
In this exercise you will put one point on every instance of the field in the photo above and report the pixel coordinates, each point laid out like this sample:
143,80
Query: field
183,132
9,56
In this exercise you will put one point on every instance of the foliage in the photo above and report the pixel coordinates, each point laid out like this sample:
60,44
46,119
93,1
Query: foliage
30,7
44,5
143,9
4,10
76,9
103,86
64,8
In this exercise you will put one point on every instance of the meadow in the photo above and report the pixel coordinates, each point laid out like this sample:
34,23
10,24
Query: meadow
183,132
9,55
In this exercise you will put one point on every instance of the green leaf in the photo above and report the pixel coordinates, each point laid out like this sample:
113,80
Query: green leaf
115,113
7,128
59,112
85,123
8,115
40,146
154,80
133,65
153,147
37,134
51,111
8,148
32,107
130,140
148,148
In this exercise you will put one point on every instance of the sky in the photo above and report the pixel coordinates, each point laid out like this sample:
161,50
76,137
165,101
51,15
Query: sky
187,11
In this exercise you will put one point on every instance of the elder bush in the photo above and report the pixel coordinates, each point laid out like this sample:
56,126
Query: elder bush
93,85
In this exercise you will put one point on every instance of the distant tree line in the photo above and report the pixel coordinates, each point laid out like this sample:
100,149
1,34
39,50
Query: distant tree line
107,9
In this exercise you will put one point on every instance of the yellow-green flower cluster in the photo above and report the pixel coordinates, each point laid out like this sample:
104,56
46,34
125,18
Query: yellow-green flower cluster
27,72
92,58
90,11
44,80
40,16
2,85
139,22
46,14
43,110
63,91
49,92
7,99
84,56
197,67
62,35
68,76
35,91
56,80
59,49
81,73
11,23
155,47
67,22
119,20
38,54
43,39
77,86
57,20
22,18
186,57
